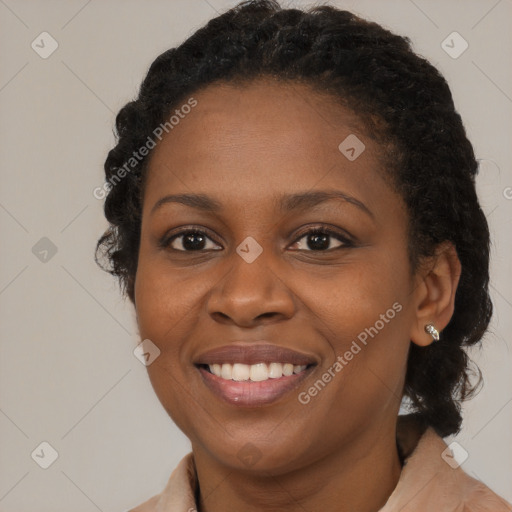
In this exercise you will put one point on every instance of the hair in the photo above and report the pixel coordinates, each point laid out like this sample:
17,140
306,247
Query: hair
404,103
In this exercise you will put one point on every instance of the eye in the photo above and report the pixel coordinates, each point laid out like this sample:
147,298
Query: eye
188,240
320,238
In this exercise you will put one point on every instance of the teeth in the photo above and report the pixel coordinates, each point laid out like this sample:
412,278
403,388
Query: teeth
216,369
226,371
287,369
275,370
240,372
254,372
258,372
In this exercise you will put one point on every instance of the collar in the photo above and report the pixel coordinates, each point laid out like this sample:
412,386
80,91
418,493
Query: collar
427,482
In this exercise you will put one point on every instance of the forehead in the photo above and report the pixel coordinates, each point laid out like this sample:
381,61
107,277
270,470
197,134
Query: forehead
262,137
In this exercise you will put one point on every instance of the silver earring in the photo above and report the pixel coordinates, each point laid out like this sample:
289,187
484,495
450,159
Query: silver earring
430,329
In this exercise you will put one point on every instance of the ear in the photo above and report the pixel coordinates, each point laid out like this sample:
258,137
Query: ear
434,295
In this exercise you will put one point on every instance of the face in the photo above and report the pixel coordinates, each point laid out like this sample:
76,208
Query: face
326,277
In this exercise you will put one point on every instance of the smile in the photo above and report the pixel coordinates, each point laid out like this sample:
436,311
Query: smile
246,392
255,372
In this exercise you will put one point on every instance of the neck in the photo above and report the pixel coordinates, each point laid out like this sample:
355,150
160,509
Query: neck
360,475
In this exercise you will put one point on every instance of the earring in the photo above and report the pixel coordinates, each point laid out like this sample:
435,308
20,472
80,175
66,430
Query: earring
430,329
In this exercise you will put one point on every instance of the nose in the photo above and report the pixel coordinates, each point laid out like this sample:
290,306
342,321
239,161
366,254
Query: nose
250,294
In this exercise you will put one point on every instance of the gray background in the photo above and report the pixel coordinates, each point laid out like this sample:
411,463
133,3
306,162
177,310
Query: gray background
68,375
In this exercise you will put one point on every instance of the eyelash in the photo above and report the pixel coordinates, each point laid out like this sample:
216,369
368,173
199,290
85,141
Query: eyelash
167,240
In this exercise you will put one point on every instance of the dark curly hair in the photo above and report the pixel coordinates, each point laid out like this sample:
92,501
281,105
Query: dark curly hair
404,103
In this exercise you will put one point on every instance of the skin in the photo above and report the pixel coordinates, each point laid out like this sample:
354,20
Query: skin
244,146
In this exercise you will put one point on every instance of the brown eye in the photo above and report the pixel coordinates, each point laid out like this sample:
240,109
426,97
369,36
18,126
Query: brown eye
189,240
320,239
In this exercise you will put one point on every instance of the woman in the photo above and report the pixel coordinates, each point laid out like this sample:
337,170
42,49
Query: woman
293,215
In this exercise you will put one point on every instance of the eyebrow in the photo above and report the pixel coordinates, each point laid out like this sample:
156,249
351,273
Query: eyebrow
286,203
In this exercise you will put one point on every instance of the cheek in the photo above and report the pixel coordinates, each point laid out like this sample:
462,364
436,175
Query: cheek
352,299
364,315
164,298
165,315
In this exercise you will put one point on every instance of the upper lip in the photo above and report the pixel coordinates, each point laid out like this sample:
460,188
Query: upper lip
252,354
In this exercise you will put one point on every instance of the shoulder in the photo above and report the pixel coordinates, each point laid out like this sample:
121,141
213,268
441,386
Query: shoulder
481,499
148,506
178,494
469,494
432,482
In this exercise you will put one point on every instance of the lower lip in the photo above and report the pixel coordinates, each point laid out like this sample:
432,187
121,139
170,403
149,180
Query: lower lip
249,393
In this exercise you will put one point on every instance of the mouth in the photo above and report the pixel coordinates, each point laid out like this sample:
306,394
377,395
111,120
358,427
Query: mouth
235,389
259,372
253,376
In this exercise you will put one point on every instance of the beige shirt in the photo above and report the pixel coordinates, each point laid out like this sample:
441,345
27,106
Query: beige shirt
429,482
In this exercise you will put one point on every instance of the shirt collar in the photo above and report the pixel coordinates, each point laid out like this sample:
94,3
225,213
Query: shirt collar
430,480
